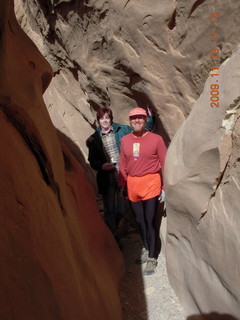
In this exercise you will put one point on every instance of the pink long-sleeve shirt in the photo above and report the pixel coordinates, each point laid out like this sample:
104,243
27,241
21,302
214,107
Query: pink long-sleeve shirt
141,155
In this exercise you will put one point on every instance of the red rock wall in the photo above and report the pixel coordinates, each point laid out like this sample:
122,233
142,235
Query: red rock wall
58,260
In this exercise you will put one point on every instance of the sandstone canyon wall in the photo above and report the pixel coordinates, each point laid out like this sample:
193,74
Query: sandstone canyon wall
203,189
58,260
137,52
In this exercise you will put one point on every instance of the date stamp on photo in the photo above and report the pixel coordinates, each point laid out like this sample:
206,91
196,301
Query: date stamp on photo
215,56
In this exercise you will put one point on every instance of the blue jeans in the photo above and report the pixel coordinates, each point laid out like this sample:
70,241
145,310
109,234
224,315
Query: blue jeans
113,206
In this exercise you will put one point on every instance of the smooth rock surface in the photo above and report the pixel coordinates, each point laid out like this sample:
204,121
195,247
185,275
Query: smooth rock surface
202,187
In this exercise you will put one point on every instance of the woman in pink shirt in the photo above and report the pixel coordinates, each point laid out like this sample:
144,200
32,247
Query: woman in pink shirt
141,160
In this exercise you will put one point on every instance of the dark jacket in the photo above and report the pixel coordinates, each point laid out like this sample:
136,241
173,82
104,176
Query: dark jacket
97,157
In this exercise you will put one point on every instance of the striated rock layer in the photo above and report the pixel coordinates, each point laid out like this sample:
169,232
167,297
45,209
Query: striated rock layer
203,189
58,260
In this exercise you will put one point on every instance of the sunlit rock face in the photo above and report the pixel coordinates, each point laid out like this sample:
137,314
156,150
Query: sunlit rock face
203,191
58,260
126,53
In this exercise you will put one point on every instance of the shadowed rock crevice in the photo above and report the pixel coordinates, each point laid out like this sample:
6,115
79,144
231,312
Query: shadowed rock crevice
27,130
195,6
10,27
212,316
125,5
172,21
46,79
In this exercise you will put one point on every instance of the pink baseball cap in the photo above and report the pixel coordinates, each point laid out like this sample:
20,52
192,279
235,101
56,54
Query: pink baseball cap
137,112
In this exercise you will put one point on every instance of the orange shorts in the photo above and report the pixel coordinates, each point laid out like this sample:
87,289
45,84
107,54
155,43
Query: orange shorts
143,188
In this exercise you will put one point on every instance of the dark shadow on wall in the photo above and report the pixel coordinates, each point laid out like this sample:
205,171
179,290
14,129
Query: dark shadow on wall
159,129
212,316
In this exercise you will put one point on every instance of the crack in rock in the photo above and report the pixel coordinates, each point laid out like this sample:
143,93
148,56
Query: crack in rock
34,144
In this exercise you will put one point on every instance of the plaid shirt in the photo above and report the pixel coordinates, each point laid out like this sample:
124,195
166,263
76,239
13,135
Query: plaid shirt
112,152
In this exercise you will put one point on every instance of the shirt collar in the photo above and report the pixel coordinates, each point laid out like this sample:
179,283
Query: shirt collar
110,130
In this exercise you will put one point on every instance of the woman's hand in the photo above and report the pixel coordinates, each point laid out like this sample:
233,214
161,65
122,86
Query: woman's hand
162,197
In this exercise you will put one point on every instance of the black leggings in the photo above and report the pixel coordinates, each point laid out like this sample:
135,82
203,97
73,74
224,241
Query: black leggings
145,213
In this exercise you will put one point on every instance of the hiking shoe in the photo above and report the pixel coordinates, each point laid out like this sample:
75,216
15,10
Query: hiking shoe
143,258
150,266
